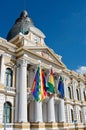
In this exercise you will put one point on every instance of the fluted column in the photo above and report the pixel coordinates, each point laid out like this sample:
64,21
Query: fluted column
38,112
61,111
17,93
51,110
2,69
23,92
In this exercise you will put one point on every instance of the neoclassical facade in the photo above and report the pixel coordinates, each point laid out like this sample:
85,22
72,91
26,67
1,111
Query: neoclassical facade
20,53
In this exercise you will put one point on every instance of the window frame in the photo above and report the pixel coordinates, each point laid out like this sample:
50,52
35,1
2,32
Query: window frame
9,77
7,112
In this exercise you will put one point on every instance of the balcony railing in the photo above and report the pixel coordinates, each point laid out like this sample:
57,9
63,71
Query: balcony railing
9,89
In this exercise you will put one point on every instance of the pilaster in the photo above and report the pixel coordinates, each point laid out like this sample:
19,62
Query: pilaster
2,69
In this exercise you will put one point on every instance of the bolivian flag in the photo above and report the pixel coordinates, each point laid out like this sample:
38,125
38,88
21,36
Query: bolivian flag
50,83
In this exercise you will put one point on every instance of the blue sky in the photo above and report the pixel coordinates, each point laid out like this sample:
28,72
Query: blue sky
62,21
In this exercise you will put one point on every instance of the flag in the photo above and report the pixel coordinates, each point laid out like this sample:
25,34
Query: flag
39,85
61,87
50,83
43,84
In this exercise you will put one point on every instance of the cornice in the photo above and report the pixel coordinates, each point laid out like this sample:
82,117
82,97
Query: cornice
57,57
74,75
22,51
7,44
71,74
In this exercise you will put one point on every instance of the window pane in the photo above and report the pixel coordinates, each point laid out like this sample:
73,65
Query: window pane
7,110
8,77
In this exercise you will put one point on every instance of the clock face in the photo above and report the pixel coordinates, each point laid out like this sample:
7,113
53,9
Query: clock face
36,39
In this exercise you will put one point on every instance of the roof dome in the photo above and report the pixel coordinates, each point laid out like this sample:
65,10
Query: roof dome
22,24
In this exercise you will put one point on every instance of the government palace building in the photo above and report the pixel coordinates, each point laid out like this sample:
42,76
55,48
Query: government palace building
20,54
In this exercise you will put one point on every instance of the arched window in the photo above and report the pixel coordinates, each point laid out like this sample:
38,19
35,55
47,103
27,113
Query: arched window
77,94
69,92
80,116
84,95
9,77
72,116
7,112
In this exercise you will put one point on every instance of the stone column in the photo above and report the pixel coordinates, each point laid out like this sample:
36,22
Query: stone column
32,111
74,90
61,111
23,92
17,69
44,109
51,110
2,69
38,112
56,111
81,93
75,113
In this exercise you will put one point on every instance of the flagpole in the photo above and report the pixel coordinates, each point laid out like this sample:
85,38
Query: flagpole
39,62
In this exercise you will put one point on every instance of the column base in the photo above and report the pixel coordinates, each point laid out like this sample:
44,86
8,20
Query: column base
22,126
43,126
1,126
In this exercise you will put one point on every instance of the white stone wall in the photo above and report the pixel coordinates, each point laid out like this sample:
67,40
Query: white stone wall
1,107
84,114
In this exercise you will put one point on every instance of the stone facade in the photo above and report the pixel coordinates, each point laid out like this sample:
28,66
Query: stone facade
19,58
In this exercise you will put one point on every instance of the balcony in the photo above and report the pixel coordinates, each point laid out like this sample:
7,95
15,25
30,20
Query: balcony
7,90
10,90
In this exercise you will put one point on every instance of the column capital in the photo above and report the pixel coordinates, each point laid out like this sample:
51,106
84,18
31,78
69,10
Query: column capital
22,63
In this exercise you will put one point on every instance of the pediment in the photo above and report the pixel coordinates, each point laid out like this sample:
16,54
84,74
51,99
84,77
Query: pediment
48,54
